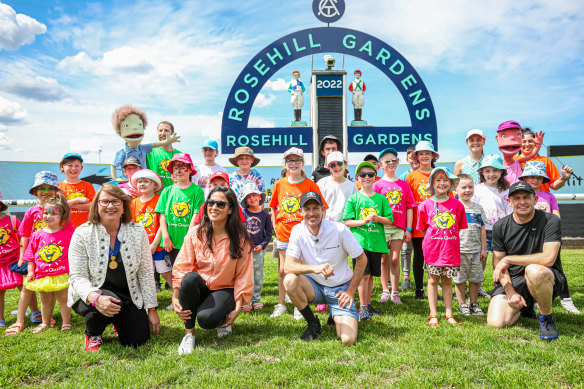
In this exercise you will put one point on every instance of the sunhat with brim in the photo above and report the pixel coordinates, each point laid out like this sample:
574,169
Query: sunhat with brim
184,158
149,174
365,164
508,124
44,177
425,145
388,150
535,168
248,189
221,175
3,206
493,160
335,156
244,150
453,179
71,156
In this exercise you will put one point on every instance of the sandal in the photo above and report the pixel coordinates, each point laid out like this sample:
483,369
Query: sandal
2,323
430,323
66,327
36,317
14,329
455,324
257,306
40,328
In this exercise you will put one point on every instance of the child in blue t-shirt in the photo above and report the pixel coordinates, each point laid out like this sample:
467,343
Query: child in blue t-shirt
259,228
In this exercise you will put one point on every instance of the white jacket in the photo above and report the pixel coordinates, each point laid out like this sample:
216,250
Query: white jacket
89,256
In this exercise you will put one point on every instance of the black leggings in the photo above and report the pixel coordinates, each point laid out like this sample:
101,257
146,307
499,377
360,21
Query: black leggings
209,307
131,322
565,293
418,264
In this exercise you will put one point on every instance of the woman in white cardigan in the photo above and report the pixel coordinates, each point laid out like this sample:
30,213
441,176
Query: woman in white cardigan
111,273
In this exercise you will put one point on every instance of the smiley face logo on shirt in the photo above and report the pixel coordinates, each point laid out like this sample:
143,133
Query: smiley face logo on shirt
38,225
75,195
4,235
50,253
422,189
163,164
180,209
393,196
367,211
146,219
290,204
443,220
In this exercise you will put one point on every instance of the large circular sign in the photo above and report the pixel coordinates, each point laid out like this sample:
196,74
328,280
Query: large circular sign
328,11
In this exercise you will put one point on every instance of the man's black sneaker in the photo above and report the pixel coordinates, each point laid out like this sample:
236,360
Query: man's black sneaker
311,332
420,294
374,311
547,328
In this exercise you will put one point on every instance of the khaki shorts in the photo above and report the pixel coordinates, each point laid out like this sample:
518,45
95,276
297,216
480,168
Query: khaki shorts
393,233
471,269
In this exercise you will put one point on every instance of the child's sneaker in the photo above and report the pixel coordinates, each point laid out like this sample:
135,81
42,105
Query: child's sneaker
364,314
297,314
279,310
464,309
221,332
321,307
93,343
405,285
476,310
187,344
420,294
287,299
385,295
396,299
569,306
547,328
373,311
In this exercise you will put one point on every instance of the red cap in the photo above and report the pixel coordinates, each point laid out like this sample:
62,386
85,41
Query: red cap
222,175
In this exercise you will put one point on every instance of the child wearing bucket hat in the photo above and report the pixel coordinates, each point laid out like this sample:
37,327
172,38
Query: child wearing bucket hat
148,183
534,173
178,204
79,193
426,156
259,229
245,159
366,213
441,217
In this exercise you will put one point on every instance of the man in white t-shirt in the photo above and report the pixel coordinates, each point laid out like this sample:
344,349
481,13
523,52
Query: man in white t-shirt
210,151
336,188
318,271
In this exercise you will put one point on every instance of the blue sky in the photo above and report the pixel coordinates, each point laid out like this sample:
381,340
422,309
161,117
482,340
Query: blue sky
65,66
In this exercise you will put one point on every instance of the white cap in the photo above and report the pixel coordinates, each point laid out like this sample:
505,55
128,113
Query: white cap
335,156
294,151
476,131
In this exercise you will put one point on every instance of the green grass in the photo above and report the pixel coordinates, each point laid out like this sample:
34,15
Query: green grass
397,349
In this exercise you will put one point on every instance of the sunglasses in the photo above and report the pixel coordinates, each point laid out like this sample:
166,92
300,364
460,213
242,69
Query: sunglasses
333,165
218,203
368,174
390,161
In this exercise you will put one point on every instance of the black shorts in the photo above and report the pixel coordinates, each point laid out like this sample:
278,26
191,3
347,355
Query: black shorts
373,266
520,285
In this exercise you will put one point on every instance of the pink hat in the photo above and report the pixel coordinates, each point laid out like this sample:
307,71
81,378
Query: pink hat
184,158
476,131
222,175
508,124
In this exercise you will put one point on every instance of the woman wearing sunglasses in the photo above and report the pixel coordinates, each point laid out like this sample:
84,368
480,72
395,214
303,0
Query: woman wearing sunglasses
213,273
111,274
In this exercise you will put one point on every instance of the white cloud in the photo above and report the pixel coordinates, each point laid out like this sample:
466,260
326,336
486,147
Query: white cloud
278,85
86,145
263,101
5,142
11,111
35,88
17,29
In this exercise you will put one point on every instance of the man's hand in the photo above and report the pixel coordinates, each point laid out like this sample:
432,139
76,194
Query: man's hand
516,301
326,270
345,299
501,268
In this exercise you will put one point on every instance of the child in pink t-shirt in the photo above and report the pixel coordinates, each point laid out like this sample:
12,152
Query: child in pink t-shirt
400,198
440,218
48,262
9,251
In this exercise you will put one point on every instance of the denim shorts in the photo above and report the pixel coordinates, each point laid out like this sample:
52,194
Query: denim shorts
489,241
282,245
326,295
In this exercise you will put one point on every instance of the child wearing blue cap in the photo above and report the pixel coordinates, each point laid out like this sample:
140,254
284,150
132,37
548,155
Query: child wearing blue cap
210,150
79,193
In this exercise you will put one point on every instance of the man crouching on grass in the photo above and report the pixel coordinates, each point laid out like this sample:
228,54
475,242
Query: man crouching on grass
318,271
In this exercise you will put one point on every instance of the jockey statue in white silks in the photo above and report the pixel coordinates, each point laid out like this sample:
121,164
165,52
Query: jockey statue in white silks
296,88
358,88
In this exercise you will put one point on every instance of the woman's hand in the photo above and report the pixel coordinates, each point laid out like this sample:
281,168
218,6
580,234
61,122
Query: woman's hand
230,318
182,313
108,306
154,321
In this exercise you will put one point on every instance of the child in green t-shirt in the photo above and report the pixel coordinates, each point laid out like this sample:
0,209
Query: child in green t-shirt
365,213
178,204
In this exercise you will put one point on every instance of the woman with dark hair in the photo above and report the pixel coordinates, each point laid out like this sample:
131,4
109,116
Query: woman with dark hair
213,273
111,274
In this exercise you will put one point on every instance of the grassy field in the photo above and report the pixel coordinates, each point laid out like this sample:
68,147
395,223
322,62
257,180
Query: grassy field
395,350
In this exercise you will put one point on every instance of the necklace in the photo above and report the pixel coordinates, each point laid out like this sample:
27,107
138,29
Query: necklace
113,254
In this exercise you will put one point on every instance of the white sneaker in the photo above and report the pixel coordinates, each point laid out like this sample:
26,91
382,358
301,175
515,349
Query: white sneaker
221,332
169,308
279,310
569,306
297,314
187,345
287,299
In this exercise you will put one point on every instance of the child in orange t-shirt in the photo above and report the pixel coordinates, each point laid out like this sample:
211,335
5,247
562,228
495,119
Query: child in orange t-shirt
148,183
79,193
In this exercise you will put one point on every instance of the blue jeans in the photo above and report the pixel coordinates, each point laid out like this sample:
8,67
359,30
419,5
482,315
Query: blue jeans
326,295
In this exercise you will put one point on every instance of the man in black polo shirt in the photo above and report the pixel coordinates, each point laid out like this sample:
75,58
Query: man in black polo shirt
526,256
